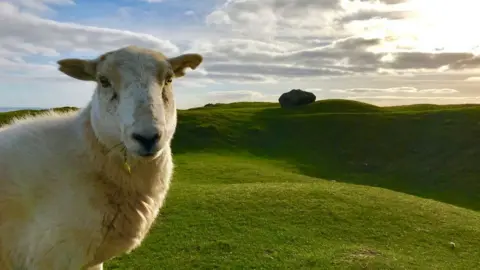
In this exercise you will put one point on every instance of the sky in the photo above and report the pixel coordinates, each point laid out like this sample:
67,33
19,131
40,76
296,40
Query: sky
384,52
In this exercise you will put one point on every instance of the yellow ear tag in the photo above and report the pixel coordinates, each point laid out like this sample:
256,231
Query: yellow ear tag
127,167
125,164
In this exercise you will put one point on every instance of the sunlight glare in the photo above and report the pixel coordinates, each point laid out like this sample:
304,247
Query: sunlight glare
431,26
446,24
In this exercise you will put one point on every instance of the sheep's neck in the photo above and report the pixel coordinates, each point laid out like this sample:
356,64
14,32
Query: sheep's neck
127,219
129,202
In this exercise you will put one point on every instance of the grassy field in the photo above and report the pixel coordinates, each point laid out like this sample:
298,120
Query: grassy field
333,185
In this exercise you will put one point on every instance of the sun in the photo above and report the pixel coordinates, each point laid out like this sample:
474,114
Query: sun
430,26
445,25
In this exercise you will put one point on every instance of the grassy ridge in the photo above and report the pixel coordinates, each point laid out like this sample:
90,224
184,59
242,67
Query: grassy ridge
333,185
428,153
7,117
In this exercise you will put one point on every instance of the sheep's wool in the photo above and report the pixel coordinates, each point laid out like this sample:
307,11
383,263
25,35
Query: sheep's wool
67,200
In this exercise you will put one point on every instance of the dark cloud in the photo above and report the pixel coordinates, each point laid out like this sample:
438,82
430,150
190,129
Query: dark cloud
418,60
274,70
467,63
351,50
342,57
238,77
356,43
404,89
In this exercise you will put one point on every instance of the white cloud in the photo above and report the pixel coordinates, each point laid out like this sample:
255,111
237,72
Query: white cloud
234,96
39,5
314,90
270,18
218,17
25,33
189,13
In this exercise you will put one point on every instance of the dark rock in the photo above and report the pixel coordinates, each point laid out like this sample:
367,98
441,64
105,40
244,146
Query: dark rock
295,98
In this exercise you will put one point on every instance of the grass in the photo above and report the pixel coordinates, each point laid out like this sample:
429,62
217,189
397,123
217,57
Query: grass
7,117
333,185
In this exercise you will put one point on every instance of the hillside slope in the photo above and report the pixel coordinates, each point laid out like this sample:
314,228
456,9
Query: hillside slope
333,185
239,212
428,153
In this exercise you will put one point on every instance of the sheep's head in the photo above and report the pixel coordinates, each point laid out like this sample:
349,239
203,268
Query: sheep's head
133,101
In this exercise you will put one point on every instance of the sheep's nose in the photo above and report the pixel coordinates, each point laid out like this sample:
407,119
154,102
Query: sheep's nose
148,142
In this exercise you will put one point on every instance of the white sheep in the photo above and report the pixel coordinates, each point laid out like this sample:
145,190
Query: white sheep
79,188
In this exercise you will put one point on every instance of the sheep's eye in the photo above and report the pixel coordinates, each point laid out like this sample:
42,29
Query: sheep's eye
104,82
168,80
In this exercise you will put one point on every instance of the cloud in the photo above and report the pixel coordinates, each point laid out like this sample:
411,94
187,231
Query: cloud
404,89
234,96
218,17
272,17
388,2
24,33
279,39
405,60
355,51
466,98
284,18
244,16
341,57
189,13
468,62
406,100
38,5
286,71
313,90
238,49
365,15
240,78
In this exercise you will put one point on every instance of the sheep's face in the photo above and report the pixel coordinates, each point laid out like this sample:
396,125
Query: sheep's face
133,101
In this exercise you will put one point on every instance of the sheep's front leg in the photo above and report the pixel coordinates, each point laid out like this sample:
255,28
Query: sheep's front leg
96,267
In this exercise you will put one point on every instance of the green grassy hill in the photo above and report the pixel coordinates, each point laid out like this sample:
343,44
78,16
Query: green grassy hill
333,185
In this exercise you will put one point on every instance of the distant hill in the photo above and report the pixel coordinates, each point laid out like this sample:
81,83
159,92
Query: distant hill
9,109
336,184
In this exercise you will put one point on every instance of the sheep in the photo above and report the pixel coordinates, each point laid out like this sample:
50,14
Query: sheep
82,187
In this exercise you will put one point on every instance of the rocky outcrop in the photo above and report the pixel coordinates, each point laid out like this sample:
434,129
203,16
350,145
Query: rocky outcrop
295,98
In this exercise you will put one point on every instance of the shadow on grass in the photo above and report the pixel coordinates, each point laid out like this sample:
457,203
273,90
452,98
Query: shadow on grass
428,154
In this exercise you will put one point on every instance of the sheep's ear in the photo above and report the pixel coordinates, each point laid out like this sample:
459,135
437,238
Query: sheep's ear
78,68
181,62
